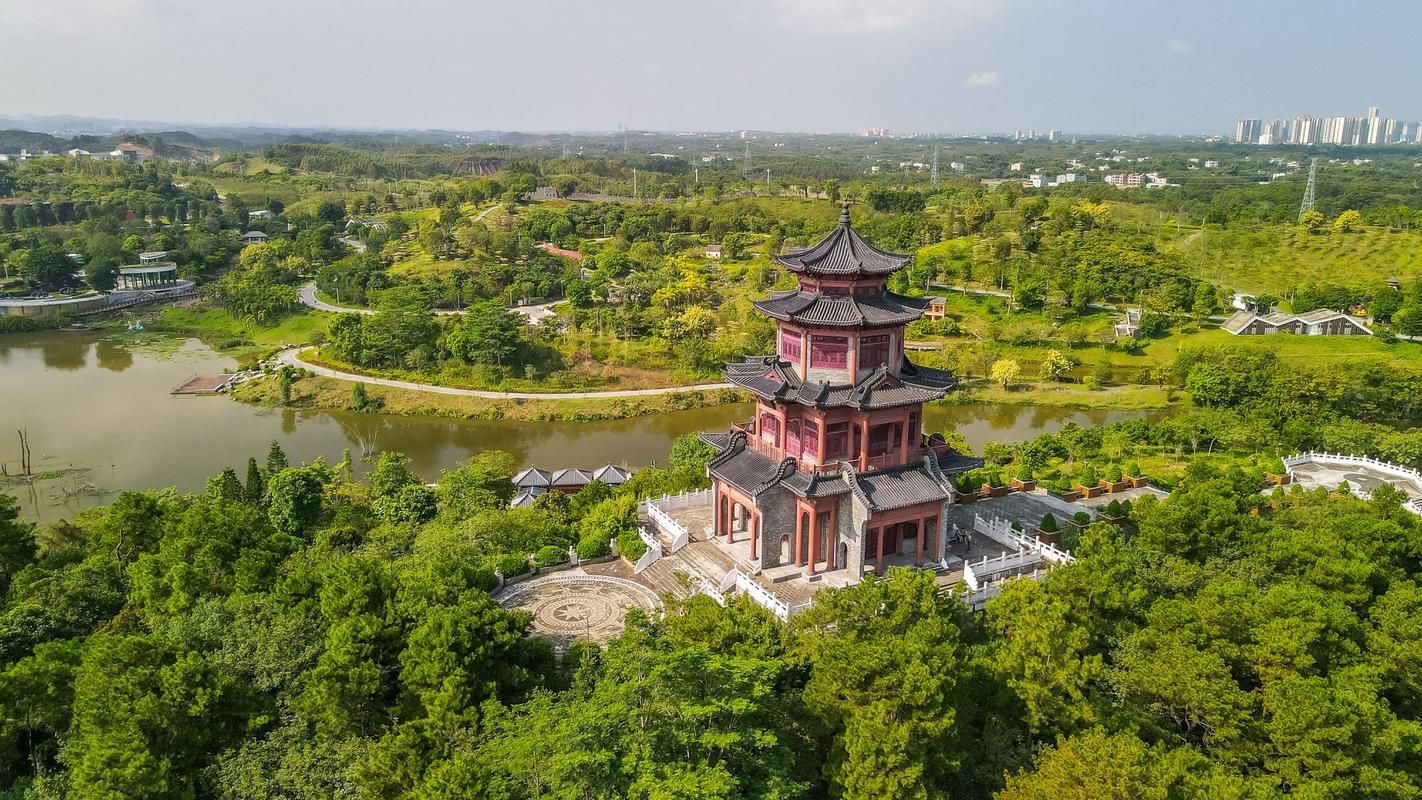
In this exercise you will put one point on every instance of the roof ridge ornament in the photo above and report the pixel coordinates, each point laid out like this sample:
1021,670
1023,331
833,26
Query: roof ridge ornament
844,214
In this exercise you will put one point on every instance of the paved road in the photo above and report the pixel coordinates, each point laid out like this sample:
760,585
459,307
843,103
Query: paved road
292,357
308,297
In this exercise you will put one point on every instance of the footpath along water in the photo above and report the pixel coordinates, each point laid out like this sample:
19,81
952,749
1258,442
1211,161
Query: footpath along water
101,404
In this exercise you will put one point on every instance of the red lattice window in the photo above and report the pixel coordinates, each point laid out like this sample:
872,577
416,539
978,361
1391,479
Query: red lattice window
791,346
829,351
873,351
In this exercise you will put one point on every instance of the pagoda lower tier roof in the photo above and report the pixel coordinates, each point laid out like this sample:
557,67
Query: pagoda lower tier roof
842,311
772,379
880,490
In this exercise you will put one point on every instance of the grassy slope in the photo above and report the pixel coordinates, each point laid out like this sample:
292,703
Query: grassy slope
223,331
1273,258
318,392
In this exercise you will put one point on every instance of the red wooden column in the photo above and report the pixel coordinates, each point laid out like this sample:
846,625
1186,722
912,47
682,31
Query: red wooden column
754,532
918,560
799,520
879,556
716,514
814,540
731,523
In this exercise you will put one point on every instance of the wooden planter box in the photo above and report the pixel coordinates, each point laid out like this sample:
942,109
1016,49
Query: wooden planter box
1278,480
1088,491
1117,521
1067,496
1136,483
1119,486
1053,538
1023,486
967,498
994,491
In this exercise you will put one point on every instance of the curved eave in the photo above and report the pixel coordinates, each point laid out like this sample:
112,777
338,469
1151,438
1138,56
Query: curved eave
843,253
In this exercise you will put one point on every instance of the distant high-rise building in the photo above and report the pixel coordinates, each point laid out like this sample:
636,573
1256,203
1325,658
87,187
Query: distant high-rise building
1053,134
1247,130
1337,130
1373,111
1306,130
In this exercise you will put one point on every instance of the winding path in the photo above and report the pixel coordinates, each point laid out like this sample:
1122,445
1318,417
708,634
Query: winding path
292,357
308,297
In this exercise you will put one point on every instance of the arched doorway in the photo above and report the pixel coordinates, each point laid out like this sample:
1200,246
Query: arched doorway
785,554
843,560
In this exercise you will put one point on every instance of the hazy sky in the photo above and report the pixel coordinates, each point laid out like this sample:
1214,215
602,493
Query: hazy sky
799,65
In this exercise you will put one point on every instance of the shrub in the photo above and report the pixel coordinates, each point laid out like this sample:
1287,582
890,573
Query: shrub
512,565
1063,485
1113,509
1081,519
550,555
1133,469
630,546
593,547
1125,508
1024,473
967,483
1088,476
1049,523
1277,466
1113,474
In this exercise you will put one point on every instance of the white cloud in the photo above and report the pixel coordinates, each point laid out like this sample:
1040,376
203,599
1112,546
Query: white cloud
842,17
981,79
1179,46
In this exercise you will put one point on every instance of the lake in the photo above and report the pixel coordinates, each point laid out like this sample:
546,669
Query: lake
102,402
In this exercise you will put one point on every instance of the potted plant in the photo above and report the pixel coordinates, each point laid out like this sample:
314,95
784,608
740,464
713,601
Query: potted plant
1078,522
1062,488
1049,531
1112,480
967,489
1024,482
1088,483
1114,512
1134,476
993,484
1277,473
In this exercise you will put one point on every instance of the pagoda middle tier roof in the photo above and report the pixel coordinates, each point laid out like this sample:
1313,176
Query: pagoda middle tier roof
774,380
843,252
842,311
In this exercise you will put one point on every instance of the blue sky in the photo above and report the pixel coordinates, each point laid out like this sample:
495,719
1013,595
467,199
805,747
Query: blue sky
798,65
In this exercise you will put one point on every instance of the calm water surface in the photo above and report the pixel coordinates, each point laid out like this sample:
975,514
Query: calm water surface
102,402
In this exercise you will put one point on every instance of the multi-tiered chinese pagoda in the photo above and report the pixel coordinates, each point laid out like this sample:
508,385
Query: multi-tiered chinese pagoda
834,472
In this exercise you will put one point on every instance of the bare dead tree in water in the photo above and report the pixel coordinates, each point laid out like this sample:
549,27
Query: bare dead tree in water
25,452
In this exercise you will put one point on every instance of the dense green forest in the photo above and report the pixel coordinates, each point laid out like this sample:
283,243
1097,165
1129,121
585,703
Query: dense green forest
294,633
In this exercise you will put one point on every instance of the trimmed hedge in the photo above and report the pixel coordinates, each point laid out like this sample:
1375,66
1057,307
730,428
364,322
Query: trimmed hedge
1049,523
551,555
593,547
630,546
512,565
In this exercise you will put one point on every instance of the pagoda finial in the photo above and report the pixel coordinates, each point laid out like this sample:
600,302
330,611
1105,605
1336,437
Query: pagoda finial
844,214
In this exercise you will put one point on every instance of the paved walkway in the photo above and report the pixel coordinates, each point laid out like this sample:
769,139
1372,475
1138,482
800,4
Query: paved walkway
309,298
292,357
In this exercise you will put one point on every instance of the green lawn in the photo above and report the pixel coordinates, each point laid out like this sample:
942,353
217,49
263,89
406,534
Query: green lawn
1273,258
225,332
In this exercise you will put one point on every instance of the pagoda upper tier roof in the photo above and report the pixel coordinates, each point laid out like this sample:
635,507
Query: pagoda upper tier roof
843,253
842,311
774,380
